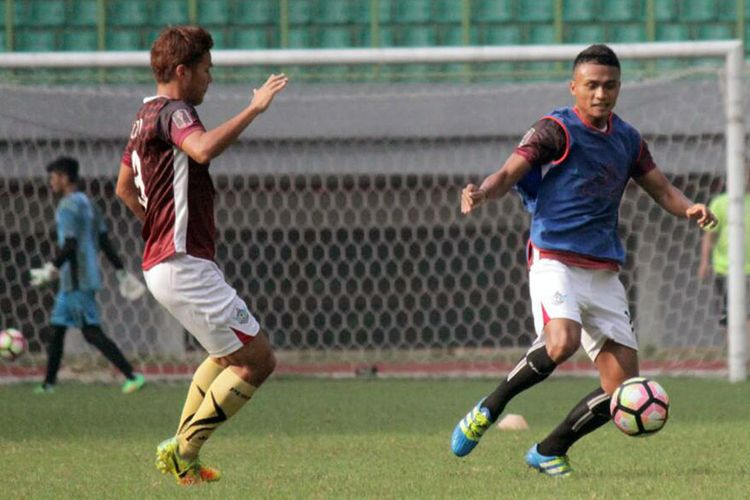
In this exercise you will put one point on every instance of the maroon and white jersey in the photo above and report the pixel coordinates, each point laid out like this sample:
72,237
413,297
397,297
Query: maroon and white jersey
176,191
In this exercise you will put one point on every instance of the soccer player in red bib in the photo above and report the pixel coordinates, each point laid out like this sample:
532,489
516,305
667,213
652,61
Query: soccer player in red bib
164,180
571,170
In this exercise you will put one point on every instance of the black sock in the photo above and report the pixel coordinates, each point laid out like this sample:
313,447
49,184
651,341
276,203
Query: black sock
588,415
54,353
95,336
534,367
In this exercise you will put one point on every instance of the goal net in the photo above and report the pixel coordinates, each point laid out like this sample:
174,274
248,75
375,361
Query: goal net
338,211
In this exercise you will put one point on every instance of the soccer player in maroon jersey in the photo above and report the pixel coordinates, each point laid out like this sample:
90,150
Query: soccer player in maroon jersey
165,182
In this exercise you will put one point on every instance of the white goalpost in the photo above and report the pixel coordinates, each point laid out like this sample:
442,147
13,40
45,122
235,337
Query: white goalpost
344,218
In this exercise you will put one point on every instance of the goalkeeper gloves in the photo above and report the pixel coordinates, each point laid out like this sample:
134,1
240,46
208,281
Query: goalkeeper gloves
44,275
130,287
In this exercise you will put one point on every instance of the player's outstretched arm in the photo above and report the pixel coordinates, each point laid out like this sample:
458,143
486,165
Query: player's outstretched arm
205,146
128,192
495,185
673,200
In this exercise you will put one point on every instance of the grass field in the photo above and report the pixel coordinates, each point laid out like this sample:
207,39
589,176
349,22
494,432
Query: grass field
367,439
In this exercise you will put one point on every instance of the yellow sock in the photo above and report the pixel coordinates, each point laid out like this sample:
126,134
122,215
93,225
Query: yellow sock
202,380
226,395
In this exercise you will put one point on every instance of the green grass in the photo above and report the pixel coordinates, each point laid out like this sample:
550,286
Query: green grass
366,439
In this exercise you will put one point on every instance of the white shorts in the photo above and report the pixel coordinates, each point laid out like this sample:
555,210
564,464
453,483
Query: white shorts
593,298
193,290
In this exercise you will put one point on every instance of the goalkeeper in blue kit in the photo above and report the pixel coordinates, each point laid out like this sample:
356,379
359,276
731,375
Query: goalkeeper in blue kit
81,232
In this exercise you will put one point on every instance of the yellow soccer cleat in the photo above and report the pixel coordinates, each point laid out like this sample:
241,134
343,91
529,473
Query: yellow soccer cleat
186,472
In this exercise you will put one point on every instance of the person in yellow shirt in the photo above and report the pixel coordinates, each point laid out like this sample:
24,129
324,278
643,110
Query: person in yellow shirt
715,251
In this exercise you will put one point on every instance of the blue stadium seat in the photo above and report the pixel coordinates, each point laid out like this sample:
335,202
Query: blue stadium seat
127,13
251,38
335,38
40,13
35,41
262,12
124,40
492,10
672,32
453,36
584,33
80,40
213,12
580,10
665,10
83,13
541,34
386,11
388,36
715,31
622,10
414,11
221,38
419,36
300,11
448,11
170,12
627,33
727,10
334,12
537,11
697,10
302,38
504,34
2,41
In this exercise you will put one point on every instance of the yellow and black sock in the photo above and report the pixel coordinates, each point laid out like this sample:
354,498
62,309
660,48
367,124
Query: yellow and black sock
227,394
202,380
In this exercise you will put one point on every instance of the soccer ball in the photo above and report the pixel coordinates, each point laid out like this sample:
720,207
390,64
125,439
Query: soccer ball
12,344
639,407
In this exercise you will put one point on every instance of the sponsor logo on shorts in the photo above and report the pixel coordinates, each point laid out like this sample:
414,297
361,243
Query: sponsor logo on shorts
242,316
558,298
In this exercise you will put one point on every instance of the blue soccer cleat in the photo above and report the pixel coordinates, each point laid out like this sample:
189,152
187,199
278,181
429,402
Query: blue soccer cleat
552,466
470,429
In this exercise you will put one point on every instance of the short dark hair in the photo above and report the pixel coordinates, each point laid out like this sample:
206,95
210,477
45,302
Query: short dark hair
65,165
597,54
178,45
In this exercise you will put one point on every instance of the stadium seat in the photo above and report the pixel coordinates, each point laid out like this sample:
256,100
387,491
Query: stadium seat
627,33
584,33
221,38
419,36
80,40
251,38
83,13
541,34
728,10
170,12
386,11
35,41
388,36
715,31
300,11
2,41
503,34
414,11
580,10
301,38
335,38
334,12
665,10
672,32
453,36
124,40
622,10
697,10
127,13
261,12
213,12
448,11
492,10
537,11
40,13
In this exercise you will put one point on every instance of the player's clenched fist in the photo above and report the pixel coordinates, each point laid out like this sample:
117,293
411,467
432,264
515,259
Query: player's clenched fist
700,213
263,96
471,196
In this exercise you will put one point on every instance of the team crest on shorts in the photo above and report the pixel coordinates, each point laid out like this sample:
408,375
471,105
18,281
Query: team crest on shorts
558,298
241,315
